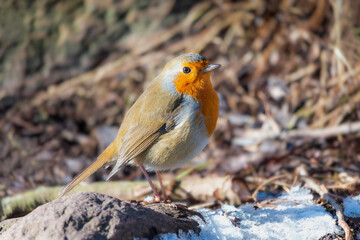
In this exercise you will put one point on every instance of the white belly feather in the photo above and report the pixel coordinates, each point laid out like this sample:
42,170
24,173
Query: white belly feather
181,144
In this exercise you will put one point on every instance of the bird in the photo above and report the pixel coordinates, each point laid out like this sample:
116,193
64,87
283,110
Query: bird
169,124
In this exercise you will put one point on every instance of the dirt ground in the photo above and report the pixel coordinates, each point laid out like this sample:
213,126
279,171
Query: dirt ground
288,86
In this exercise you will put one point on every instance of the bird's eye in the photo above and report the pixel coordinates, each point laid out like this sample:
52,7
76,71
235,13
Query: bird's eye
186,70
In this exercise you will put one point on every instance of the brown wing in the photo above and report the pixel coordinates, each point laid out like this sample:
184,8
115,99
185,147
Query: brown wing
140,137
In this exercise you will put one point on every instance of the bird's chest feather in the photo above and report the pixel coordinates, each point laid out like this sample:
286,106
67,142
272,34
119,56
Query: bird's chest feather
202,91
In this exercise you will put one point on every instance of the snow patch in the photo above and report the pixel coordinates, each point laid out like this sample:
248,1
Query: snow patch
352,206
149,199
298,218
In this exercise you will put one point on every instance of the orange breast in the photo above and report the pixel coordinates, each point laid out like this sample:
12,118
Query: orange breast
200,88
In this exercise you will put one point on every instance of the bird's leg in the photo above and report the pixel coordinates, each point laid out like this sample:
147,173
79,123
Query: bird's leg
162,186
157,195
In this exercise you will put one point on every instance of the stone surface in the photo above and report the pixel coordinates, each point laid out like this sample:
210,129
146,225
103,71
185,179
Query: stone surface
98,216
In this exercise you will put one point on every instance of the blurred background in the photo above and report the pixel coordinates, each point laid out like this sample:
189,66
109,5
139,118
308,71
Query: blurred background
289,86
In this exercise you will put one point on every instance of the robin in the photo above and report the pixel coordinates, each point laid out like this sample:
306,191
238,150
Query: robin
168,125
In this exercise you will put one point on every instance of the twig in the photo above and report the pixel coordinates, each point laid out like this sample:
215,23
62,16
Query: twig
301,73
202,205
272,202
323,192
254,195
326,132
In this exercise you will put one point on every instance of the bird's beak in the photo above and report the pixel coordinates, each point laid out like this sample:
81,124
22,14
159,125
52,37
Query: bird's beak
211,67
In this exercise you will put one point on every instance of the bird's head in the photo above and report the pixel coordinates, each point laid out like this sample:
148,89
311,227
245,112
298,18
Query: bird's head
187,74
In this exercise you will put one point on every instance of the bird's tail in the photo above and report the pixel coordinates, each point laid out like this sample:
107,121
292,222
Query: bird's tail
105,157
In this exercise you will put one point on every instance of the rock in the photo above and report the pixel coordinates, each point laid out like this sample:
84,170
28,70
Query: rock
96,216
